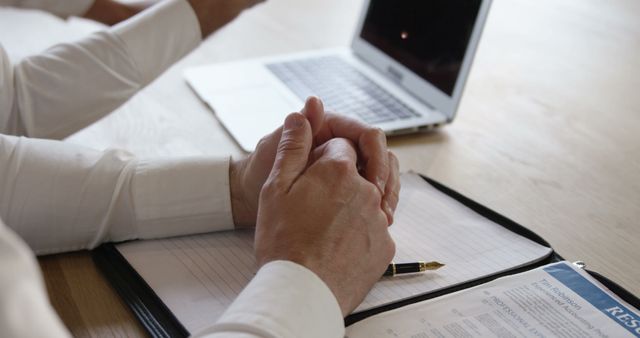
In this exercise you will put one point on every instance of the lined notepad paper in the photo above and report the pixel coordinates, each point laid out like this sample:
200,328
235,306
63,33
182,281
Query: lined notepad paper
197,277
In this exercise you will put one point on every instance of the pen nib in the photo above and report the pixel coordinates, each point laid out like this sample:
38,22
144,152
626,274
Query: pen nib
424,266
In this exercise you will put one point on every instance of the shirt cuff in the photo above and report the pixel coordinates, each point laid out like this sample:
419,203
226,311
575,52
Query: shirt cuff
284,299
59,8
159,36
173,197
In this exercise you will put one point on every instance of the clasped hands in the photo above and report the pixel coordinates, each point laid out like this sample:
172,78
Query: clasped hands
321,191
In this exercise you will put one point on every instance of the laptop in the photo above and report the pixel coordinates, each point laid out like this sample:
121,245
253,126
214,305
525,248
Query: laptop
404,72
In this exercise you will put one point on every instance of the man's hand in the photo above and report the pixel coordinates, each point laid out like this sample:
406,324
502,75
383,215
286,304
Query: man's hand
377,164
321,213
213,14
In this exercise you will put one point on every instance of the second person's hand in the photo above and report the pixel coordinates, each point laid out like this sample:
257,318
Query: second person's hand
213,14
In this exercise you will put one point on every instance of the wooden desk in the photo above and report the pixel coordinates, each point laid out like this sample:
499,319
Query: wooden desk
547,133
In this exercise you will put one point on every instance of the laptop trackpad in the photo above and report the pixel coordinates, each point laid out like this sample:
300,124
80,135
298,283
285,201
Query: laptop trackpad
251,112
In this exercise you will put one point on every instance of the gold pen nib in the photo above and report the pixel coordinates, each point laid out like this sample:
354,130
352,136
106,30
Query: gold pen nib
424,266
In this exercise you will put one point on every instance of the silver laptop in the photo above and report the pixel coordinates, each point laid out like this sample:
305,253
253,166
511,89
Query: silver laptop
404,72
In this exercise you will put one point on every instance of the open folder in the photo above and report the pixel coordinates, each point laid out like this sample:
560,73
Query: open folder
181,285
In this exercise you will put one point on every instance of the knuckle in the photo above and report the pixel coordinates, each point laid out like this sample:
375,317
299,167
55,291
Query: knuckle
268,189
373,193
340,143
272,187
342,167
264,141
289,144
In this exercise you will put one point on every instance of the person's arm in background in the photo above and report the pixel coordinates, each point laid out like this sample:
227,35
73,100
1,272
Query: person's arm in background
72,85
108,12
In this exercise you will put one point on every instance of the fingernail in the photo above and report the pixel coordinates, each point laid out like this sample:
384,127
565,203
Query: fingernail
294,121
309,101
383,138
381,183
388,211
306,104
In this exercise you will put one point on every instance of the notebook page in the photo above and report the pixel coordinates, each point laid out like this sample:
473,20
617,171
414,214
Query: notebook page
197,277
431,226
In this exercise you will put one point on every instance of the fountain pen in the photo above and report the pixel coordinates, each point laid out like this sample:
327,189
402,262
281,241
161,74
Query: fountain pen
403,268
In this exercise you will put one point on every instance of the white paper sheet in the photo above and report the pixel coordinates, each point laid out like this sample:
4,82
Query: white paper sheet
554,301
197,277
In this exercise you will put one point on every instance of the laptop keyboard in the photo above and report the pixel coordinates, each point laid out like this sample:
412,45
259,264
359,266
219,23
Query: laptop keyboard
341,87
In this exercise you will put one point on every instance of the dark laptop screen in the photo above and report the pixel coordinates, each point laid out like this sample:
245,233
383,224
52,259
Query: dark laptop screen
429,37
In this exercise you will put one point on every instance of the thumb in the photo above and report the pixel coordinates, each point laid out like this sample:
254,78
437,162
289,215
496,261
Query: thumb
293,151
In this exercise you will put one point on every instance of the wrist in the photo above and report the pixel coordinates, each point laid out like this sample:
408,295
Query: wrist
239,206
332,279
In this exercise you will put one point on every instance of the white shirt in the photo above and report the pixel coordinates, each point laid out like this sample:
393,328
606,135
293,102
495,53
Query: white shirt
60,197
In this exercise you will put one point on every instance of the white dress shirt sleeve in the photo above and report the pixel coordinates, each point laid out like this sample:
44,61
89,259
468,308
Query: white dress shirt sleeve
61,197
284,300
61,8
72,85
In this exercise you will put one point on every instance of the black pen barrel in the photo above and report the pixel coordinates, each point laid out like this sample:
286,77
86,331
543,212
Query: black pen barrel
391,271
408,268
400,268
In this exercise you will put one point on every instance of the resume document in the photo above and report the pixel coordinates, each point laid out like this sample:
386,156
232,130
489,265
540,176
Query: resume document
557,300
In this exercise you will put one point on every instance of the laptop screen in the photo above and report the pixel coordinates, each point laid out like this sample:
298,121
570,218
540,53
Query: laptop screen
429,37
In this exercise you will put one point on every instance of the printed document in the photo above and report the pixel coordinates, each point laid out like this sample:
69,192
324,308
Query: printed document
558,300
